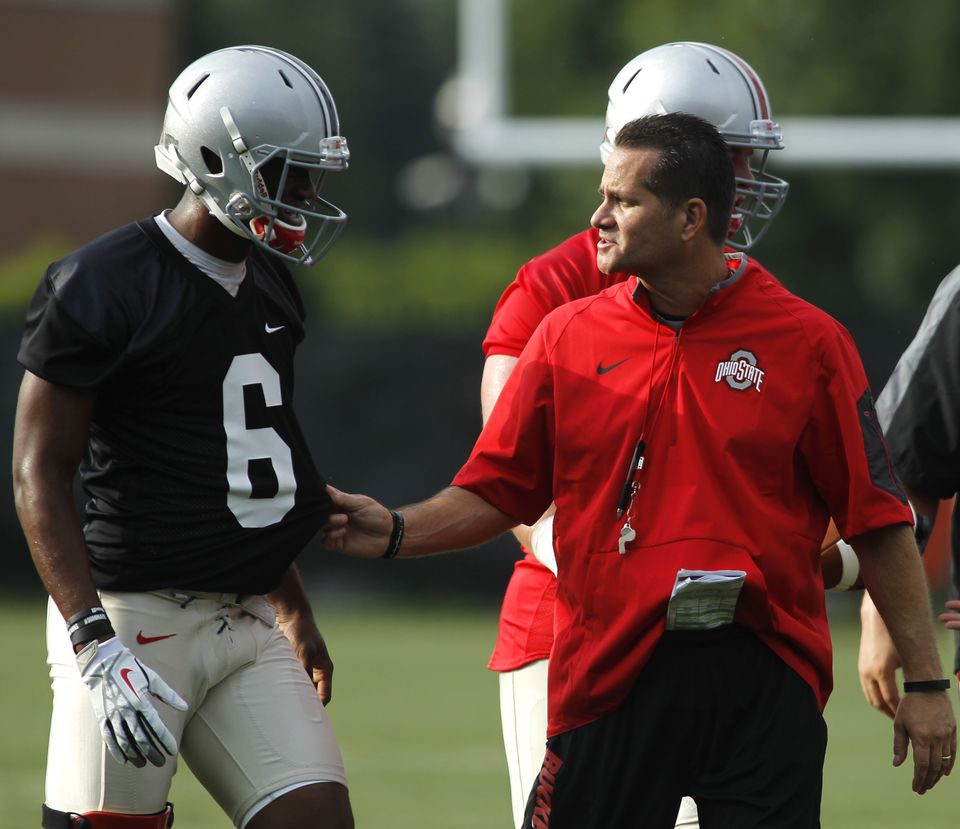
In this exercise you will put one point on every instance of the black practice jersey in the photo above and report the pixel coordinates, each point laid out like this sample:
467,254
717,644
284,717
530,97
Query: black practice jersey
919,407
197,474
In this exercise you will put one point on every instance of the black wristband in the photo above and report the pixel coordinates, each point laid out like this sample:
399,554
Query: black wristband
927,685
396,536
88,625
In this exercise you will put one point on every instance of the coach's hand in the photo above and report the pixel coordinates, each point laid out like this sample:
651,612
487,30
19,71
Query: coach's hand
926,720
120,687
358,525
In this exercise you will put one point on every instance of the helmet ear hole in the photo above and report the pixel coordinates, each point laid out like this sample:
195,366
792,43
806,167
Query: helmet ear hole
213,161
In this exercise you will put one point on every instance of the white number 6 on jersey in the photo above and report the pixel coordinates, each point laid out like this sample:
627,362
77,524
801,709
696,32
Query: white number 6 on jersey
244,445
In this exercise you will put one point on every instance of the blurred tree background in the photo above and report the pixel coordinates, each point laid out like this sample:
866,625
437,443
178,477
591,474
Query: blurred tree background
391,366
870,246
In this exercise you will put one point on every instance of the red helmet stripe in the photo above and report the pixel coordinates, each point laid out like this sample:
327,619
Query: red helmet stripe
753,78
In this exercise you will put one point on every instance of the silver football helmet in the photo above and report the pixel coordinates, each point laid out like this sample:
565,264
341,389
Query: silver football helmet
238,121
721,88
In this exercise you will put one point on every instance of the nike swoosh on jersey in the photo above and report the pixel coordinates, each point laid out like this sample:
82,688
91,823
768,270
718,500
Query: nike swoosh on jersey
146,640
602,369
272,329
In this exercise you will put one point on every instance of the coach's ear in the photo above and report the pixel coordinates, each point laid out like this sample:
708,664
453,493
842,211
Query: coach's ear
694,219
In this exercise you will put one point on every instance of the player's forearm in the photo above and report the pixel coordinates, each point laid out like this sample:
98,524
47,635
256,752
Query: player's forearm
52,529
525,532
893,575
496,370
522,533
290,597
49,439
869,615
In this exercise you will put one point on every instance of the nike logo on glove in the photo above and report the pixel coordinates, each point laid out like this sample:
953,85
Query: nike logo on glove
272,329
146,640
125,676
602,369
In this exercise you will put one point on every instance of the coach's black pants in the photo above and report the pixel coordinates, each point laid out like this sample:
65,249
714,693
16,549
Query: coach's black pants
715,715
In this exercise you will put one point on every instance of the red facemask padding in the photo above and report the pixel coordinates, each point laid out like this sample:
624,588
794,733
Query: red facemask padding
284,237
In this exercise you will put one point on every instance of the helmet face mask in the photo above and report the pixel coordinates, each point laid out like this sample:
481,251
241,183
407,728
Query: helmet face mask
283,226
252,131
758,200
724,90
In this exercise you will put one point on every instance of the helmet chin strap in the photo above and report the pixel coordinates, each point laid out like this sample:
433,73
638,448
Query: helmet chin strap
217,212
170,161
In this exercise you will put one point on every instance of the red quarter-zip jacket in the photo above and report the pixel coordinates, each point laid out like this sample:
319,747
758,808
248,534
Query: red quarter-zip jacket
758,426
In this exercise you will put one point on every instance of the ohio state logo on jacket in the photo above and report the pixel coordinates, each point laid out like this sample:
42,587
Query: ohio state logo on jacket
740,371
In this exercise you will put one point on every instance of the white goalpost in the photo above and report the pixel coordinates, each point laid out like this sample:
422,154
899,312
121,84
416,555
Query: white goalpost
476,107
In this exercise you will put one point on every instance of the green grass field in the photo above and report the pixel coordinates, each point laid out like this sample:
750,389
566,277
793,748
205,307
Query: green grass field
416,712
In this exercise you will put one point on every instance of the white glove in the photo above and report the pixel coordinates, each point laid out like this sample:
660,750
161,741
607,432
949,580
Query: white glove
541,544
119,684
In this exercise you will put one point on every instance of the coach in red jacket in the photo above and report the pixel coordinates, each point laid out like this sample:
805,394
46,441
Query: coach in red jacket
697,426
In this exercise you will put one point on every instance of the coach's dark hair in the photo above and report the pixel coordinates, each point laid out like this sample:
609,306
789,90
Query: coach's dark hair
694,163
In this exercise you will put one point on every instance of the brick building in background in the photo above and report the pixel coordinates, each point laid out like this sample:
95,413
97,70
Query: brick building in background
82,91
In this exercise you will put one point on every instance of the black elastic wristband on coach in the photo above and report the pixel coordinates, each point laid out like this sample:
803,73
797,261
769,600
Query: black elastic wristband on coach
396,536
927,685
87,625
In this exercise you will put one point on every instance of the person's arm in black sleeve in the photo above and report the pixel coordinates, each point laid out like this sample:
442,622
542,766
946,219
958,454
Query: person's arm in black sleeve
919,410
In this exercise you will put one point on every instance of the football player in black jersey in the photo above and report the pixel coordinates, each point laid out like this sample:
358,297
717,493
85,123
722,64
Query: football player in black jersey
918,410
159,362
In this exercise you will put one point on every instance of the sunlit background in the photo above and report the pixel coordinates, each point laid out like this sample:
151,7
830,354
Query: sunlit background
473,127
